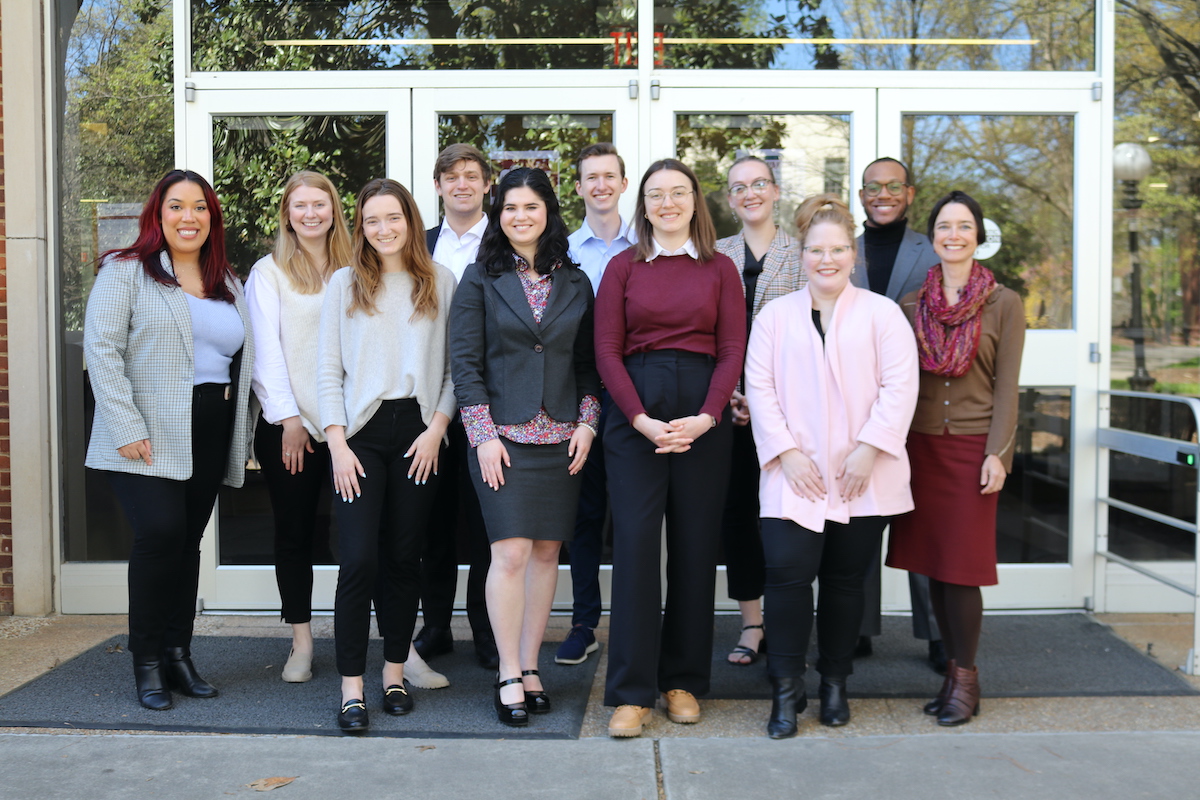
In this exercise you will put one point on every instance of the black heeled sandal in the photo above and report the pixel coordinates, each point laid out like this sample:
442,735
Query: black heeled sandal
741,651
513,714
535,702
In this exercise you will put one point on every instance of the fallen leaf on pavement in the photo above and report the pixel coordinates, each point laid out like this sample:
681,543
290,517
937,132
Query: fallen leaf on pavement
267,784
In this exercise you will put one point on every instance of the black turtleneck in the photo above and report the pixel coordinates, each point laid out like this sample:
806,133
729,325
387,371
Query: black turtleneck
881,245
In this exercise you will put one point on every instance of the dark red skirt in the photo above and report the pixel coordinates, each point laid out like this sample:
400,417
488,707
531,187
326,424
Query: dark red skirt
951,533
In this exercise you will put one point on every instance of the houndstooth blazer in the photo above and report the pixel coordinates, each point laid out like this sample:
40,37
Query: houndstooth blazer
781,272
137,339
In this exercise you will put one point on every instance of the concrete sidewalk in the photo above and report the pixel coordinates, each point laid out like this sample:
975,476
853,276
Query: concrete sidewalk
1096,766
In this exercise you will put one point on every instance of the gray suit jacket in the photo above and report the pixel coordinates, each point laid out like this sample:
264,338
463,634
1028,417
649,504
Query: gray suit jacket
500,356
913,261
137,339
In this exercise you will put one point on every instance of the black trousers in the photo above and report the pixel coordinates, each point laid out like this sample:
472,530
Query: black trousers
380,536
745,572
924,624
795,557
439,566
652,652
294,501
586,549
168,519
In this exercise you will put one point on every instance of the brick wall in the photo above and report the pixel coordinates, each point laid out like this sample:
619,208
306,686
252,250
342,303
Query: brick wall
6,559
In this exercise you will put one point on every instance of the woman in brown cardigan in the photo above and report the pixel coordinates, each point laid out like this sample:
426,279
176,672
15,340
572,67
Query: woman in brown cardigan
970,334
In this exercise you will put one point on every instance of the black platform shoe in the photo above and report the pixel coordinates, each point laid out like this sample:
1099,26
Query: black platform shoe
149,677
181,674
788,700
514,714
535,702
353,717
397,701
835,709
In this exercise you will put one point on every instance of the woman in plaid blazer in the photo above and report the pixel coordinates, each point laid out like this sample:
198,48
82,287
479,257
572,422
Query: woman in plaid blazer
169,355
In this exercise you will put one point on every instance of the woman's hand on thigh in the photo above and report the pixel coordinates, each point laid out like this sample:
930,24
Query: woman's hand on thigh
424,452
295,443
580,447
855,474
802,475
992,476
492,455
347,469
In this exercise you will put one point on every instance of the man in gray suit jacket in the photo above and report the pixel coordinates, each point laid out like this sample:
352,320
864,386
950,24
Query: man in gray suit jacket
893,260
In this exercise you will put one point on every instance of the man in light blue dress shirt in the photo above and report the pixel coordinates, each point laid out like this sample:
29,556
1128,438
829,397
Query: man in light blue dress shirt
600,181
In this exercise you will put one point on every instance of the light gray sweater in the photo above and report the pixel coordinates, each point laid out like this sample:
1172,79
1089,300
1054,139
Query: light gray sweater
365,359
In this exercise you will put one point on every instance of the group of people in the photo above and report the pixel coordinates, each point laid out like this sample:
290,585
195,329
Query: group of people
763,394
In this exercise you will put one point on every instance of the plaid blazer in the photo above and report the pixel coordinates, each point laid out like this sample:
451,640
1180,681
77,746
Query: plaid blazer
781,273
137,338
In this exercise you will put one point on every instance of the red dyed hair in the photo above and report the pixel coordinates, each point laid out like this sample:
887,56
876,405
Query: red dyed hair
214,266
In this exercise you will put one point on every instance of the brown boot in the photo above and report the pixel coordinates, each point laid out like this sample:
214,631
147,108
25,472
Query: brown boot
963,701
934,706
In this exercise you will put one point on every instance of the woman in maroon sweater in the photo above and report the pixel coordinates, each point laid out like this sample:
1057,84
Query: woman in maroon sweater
670,338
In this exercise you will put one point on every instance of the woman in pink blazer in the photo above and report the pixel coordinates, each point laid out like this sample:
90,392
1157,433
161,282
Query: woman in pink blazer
831,373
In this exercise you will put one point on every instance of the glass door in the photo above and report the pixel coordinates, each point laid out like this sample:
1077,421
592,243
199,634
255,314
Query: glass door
1025,155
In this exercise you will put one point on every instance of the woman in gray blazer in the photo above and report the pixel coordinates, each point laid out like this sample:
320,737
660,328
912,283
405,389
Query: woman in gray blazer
525,378
169,355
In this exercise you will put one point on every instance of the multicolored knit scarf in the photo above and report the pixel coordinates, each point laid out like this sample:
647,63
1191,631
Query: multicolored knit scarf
948,335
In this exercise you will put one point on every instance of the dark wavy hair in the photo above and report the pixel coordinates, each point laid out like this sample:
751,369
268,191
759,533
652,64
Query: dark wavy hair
962,198
496,252
150,243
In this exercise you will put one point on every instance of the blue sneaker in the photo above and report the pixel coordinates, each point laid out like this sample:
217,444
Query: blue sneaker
576,647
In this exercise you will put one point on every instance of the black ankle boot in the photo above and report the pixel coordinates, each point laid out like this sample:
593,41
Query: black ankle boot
181,673
787,701
835,709
151,683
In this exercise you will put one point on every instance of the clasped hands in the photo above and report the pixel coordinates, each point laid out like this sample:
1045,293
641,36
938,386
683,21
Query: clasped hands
675,436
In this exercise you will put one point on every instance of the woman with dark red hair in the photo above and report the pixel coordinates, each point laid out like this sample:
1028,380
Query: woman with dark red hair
169,355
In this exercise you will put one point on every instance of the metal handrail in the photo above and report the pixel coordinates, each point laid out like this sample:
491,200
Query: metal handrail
1168,451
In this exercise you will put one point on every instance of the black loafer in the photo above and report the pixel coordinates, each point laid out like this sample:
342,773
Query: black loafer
432,641
485,653
150,679
182,675
397,701
536,702
353,717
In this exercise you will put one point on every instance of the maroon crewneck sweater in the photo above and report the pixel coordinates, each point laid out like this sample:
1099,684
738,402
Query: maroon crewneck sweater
670,303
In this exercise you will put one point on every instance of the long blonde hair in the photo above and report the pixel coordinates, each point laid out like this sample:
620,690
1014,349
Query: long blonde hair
824,208
305,276
368,269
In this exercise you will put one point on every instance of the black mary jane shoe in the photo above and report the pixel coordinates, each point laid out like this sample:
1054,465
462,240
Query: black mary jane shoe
182,675
515,715
397,701
535,702
788,700
353,717
835,708
150,679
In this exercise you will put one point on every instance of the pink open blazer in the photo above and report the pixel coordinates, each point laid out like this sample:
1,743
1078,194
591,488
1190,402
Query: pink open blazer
860,386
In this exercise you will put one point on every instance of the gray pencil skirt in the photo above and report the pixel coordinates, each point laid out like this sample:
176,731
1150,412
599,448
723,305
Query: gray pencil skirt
538,499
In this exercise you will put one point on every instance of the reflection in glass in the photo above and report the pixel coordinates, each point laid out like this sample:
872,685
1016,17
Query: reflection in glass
1033,523
1157,106
1166,488
1021,169
252,158
546,141
876,34
250,35
807,152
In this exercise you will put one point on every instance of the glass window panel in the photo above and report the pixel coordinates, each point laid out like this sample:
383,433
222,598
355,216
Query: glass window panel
875,34
1021,169
807,152
547,141
117,140
249,35
1034,519
252,158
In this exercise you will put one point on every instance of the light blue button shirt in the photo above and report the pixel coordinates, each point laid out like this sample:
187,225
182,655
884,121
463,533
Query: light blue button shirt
592,255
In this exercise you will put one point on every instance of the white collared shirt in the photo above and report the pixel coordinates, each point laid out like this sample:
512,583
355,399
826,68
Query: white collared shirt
455,252
688,249
591,253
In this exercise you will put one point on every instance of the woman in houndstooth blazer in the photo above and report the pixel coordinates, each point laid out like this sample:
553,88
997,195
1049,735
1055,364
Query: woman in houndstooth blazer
169,355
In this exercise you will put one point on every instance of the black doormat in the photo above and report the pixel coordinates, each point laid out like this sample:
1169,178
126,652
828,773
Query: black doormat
1035,655
95,691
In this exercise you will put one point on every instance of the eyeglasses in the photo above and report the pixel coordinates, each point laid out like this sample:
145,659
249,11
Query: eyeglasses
657,197
759,186
819,252
873,189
